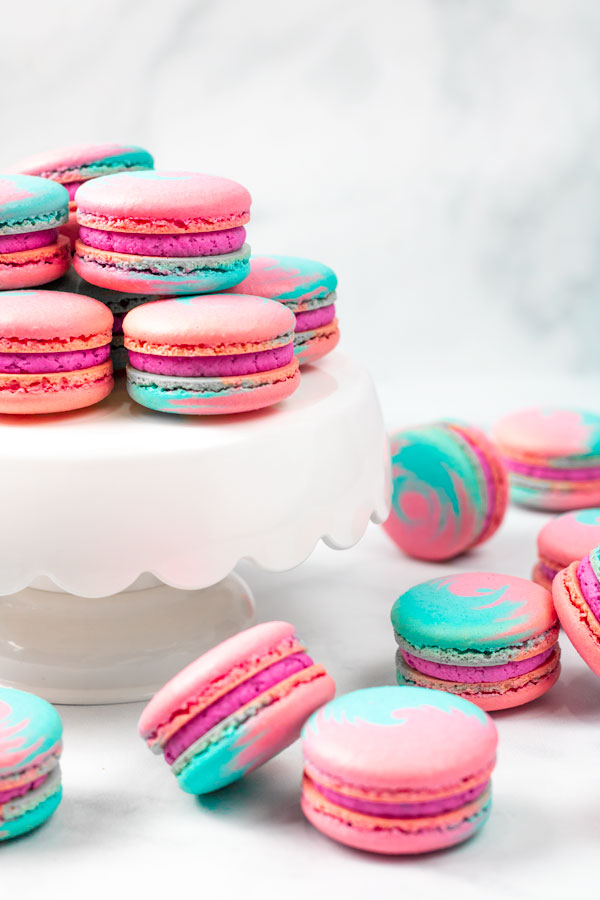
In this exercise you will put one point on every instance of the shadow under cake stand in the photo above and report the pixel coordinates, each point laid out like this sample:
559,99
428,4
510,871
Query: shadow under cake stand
122,526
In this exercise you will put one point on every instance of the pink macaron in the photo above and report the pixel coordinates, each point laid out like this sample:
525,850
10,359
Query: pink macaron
576,593
398,770
210,355
563,540
236,707
54,351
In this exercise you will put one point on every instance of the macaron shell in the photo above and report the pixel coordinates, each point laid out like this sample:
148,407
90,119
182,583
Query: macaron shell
31,819
543,433
30,268
310,346
28,203
44,321
577,619
570,537
555,498
30,731
52,393
290,279
82,161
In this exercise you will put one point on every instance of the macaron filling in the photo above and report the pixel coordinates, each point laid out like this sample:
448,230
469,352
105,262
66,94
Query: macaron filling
28,240
315,318
213,366
474,674
589,586
415,810
13,793
65,361
211,243
583,473
231,702
549,571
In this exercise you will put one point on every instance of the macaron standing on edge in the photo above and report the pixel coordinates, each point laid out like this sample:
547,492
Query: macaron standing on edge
54,351
163,233
576,593
398,770
449,490
30,748
31,250
210,355
492,639
235,707
563,540
553,457
306,287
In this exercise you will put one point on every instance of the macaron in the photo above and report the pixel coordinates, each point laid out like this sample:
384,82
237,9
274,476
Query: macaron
236,707
553,457
162,232
449,490
398,769
576,593
54,351
492,639
30,748
210,355
72,166
563,540
306,287
31,250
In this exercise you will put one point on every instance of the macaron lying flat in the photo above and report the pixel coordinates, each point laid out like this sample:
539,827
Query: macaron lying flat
54,351
31,250
30,748
489,638
162,232
306,287
235,707
563,540
576,593
553,457
210,355
450,490
398,769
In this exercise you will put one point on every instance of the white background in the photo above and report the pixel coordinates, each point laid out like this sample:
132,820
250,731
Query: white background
442,156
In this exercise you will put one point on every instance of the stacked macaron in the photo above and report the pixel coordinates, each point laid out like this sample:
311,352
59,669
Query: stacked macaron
306,287
31,250
489,638
563,540
54,351
71,166
30,748
553,457
450,490
162,232
210,355
236,707
576,593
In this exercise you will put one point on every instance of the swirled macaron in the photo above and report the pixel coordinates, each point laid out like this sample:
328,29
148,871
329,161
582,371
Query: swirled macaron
236,707
492,639
210,355
54,351
162,232
398,769
576,593
31,250
30,748
565,539
71,166
450,490
306,287
553,457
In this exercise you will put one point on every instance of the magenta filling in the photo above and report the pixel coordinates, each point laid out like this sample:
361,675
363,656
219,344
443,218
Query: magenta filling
547,571
553,474
44,363
315,318
209,366
589,585
7,796
416,810
71,188
476,674
31,240
209,243
232,701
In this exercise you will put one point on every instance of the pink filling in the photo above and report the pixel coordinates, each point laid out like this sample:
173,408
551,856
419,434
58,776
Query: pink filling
553,474
31,240
7,796
315,318
590,587
476,674
208,243
210,366
40,363
385,810
232,701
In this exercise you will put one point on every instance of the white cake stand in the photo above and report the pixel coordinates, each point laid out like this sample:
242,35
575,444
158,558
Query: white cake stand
121,526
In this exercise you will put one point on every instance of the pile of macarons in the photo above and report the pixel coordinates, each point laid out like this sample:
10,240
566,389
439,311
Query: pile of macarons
200,325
